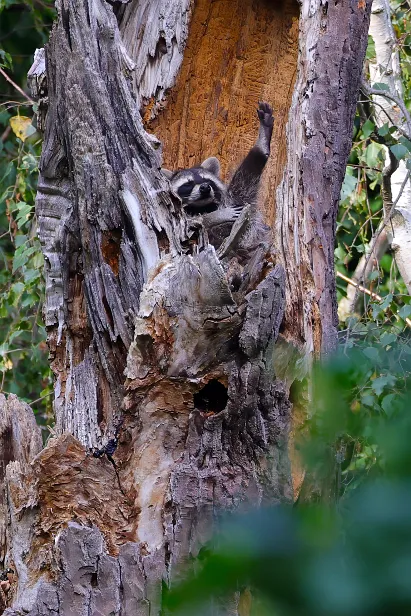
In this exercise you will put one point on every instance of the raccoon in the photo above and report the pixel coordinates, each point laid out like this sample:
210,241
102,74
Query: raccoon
202,191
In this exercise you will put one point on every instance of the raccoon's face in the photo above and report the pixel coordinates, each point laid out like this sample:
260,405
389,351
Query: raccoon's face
199,188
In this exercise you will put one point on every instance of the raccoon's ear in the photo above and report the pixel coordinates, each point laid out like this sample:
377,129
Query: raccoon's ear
212,164
169,174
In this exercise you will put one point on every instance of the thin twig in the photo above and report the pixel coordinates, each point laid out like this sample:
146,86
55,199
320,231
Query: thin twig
359,286
374,92
22,92
5,133
398,128
367,291
12,351
42,398
366,167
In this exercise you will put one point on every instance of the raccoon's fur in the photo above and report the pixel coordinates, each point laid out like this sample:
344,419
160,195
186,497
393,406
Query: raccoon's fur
202,192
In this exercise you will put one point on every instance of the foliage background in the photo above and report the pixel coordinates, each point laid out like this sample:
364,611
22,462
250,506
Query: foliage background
24,368
361,206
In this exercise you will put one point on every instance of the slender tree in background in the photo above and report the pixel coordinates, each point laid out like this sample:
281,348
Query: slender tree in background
178,380
385,110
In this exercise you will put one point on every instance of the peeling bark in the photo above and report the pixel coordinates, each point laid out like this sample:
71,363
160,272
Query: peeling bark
166,352
101,204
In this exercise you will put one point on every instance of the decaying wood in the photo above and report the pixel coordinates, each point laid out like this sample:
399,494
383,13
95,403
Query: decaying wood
238,52
166,352
332,44
154,33
20,442
96,181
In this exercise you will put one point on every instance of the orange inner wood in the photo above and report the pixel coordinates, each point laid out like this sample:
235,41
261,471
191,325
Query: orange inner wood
238,52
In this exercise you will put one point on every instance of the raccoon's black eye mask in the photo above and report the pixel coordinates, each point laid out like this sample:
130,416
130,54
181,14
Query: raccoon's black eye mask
185,189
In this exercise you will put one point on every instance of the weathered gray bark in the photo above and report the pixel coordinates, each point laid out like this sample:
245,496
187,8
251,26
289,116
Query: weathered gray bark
332,47
158,341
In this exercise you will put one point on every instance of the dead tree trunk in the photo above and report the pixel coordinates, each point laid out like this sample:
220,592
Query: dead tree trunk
171,370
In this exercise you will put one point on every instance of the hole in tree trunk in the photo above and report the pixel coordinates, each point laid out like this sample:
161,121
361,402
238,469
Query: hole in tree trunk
212,398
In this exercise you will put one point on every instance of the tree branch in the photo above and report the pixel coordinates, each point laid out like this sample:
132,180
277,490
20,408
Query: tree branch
374,92
363,289
376,249
17,87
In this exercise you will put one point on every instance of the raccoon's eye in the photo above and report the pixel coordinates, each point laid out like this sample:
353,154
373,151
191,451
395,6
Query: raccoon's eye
185,189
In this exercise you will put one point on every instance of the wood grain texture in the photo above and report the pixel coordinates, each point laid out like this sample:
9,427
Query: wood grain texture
92,190
154,33
20,442
238,52
192,331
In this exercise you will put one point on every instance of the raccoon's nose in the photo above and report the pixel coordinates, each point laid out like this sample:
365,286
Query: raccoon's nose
205,189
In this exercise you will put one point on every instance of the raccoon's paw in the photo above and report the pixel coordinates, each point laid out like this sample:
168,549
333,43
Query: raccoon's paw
265,114
236,211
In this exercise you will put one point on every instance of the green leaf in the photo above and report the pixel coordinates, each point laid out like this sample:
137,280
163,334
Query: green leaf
390,403
399,151
30,300
374,275
374,154
30,130
405,311
368,128
14,335
388,338
22,255
349,185
372,353
25,325
5,58
376,309
340,253
405,142
370,48
386,301
20,240
17,288
24,213
378,384
31,275
384,130
368,400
